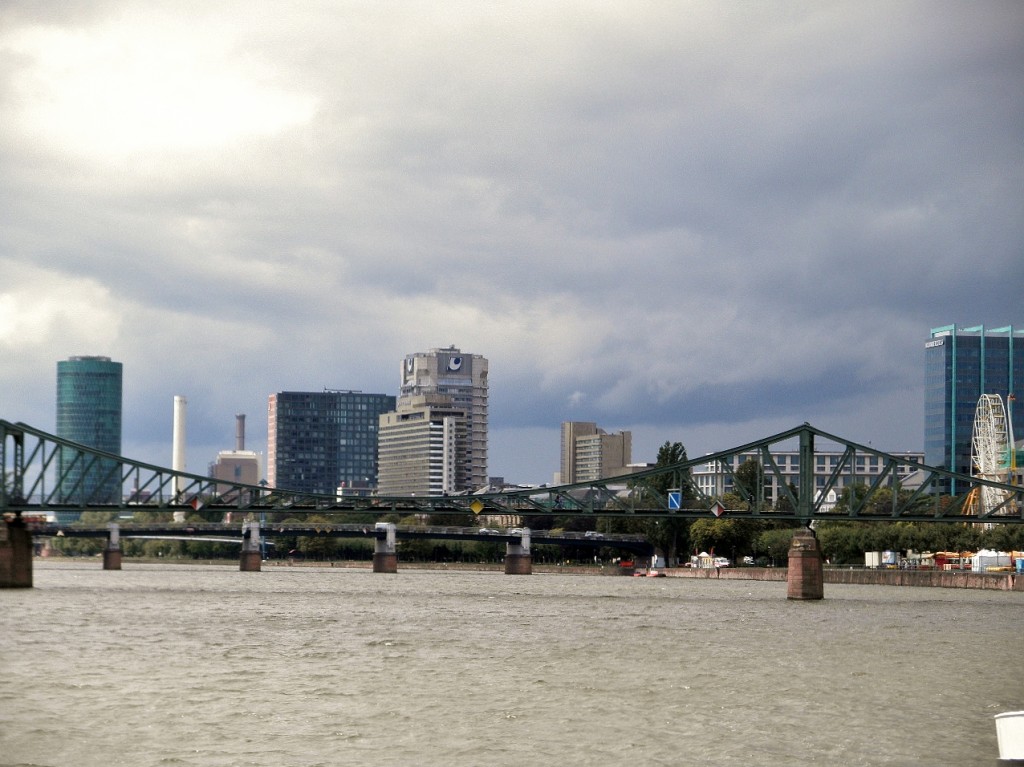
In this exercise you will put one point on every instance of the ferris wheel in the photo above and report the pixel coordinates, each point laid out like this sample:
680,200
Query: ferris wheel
991,451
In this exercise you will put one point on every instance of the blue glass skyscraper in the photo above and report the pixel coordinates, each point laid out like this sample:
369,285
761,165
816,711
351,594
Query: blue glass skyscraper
961,364
89,412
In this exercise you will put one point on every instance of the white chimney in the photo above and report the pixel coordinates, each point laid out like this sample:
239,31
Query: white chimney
178,450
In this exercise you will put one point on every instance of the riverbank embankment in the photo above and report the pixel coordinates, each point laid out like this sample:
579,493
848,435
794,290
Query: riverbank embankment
950,579
947,579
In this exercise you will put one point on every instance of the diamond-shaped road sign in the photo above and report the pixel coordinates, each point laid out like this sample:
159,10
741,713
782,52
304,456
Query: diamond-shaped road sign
718,509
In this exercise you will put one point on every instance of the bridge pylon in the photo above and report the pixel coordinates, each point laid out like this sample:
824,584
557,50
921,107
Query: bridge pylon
15,554
112,551
252,557
806,576
518,559
385,551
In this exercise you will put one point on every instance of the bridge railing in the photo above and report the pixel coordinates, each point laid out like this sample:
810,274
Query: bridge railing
204,531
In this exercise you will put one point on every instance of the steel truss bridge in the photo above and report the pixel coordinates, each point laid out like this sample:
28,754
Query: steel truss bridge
43,473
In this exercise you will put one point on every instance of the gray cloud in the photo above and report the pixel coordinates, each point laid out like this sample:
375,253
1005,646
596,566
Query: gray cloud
695,221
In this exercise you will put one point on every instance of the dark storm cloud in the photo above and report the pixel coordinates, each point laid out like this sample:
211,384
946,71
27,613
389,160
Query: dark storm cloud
681,219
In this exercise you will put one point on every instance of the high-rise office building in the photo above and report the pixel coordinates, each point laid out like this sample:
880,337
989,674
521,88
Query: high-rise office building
590,453
961,364
89,412
423,445
319,441
443,384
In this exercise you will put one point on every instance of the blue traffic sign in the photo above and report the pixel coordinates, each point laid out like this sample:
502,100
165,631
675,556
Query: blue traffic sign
675,500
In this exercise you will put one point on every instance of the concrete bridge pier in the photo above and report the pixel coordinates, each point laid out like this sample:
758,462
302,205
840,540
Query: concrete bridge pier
15,554
252,557
385,551
806,576
112,551
518,559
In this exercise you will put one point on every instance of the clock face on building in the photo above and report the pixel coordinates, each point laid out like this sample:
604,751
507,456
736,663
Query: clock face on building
454,363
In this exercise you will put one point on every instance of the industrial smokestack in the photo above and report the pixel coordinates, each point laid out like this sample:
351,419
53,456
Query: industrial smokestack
240,432
178,445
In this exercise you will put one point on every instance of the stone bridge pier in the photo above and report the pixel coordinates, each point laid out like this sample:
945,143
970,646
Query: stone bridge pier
518,560
385,552
252,557
806,576
112,551
15,554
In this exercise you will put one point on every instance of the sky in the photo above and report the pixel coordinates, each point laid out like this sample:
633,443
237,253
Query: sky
703,222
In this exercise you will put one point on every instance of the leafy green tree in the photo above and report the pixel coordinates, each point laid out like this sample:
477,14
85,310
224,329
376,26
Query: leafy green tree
163,549
773,546
211,550
453,519
97,517
132,547
782,503
850,496
750,481
77,547
704,534
318,547
670,454
842,543
146,517
1004,538
669,536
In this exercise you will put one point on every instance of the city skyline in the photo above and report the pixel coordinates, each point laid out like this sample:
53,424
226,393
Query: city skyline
429,377
685,221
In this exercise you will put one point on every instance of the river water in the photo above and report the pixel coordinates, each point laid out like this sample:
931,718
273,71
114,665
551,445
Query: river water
209,666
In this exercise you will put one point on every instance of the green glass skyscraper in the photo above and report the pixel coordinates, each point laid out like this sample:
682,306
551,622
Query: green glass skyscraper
961,364
89,412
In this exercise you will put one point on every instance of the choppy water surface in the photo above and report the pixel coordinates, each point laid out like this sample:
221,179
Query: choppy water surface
204,666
